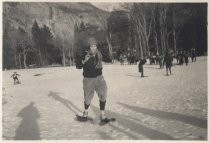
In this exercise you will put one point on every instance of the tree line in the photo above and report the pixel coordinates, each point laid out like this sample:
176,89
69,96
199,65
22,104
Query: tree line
141,29
154,28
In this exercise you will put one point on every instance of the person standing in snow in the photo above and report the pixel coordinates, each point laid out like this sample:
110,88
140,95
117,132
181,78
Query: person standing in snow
186,57
168,62
181,58
141,69
121,59
193,55
93,79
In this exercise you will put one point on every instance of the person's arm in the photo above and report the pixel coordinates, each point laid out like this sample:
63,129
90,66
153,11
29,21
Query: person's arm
18,75
11,75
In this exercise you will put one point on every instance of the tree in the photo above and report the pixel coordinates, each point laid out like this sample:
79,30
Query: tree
118,28
36,37
9,60
43,42
23,46
107,28
142,16
46,43
181,14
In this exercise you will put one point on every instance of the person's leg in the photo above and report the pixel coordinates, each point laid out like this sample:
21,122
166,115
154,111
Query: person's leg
166,70
142,73
170,69
18,80
102,105
101,89
89,88
15,80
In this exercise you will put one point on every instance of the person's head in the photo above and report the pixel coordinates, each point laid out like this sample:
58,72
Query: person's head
92,45
93,48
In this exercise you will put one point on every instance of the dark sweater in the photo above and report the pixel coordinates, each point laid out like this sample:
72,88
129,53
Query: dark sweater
89,69
168,60
141,63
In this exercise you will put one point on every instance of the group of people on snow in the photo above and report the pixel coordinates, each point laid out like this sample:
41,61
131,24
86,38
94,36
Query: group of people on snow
167,60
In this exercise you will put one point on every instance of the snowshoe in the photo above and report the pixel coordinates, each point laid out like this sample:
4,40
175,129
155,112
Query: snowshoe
106,121
81,118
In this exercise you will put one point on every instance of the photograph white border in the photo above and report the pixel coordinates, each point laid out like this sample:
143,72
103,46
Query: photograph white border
106,1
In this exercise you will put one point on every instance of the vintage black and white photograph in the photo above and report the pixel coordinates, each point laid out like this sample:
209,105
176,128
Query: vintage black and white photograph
104,71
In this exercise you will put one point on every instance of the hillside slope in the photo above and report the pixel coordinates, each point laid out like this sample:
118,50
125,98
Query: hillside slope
60,17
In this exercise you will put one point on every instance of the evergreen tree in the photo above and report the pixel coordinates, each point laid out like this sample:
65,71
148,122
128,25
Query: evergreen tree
36,37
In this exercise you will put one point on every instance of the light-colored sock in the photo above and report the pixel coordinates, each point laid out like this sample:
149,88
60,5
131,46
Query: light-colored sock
85,113
102,116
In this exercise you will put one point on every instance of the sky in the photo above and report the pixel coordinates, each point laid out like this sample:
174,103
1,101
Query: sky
107,6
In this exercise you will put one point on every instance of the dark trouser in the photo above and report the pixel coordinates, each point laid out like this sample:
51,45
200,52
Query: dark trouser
142,73
15,78
141,70
168,68
193,58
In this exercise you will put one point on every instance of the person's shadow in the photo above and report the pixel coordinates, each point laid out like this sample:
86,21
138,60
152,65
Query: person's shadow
28,128
64,101
135,126
169,116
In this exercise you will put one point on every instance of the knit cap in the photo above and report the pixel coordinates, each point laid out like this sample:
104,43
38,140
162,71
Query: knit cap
92,41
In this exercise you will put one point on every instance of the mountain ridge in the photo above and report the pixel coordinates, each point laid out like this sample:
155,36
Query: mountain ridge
61,17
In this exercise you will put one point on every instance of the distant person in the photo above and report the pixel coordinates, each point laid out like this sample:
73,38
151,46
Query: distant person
141,69
121,59
193,55
181,58
152,59
186,56
161,61
168,62
177,58
15,78
157,58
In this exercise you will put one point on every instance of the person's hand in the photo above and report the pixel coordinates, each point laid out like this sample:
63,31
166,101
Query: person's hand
87,57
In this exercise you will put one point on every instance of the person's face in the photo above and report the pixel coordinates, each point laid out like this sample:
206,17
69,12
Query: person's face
93,49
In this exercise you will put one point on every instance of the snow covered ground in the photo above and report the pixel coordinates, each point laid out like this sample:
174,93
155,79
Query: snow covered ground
157,107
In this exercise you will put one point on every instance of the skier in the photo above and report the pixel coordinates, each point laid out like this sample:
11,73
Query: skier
141,69
193,54
15,77
93,80
168,62
181,58
122,59
161,61
186,57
